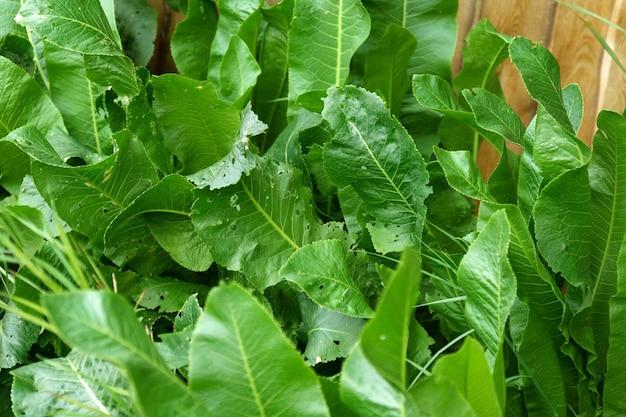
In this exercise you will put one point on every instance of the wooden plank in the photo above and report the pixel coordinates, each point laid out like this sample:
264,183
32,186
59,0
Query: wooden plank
580,55
466,18
612,84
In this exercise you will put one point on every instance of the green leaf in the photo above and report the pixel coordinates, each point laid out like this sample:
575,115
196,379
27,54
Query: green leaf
23,226
8,11
464,369
462,174
562,225
198,126
75,96
492,113
541,74
331,393
371,152
437,397
615,383
77,384
485,49
16,338
386,66
191,41
486,277
259,372
330,335
334,30
321,270
157,220
88,198
385,338
239,161
102,324
165,295
238,72
432,23
271,89
240,19
554,149
255,225
23,102
434,92
137,25
287,148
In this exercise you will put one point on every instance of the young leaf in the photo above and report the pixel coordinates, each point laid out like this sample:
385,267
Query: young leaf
486,276
74,385
255,225
259,372
484,51
372,153
334,30
102,324
386,66
321,270
191,41
198,126
463,369
463,175
562,226
541,74
492,113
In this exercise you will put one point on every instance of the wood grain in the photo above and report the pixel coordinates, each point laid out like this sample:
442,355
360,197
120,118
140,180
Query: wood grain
612,95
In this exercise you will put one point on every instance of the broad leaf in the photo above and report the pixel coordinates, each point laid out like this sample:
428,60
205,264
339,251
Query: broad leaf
334,30
191,41
198,126
157,220
488,281
255,225
321,270
102,324
16,338
372,153
463,174
258,371
137,24
238,72
492,113
77,384
88,198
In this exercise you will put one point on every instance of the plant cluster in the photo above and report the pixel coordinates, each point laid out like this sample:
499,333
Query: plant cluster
294,225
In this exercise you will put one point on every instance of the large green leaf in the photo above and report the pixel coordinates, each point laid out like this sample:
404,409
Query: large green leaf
488,281
102,324
157,220
562,226
255,225
80,26
386,66
198,126
492,113
88,198
372,153
615,383
191,41
541,74
75,96
321,270
334,30
238,72
240,19
77,384
22,102
242,365
8,11
464,369
431,22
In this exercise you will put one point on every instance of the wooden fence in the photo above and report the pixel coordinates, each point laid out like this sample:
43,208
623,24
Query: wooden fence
582,58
